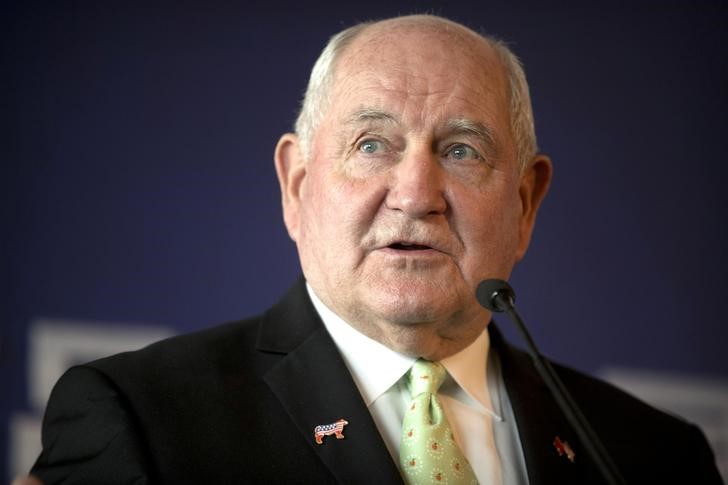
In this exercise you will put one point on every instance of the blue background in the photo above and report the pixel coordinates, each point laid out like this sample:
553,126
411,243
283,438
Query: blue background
137,182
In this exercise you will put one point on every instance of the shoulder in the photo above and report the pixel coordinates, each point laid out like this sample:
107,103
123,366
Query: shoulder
249,344
608,403
647,443
637,432
598,399
197,360
210,344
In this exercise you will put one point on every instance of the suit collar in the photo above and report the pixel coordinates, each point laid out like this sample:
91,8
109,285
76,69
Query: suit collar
289,322
314,386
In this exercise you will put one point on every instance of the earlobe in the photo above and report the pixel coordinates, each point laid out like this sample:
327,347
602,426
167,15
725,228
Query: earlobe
535,182
291,171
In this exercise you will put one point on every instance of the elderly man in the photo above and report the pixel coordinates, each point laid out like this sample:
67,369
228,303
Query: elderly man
412,176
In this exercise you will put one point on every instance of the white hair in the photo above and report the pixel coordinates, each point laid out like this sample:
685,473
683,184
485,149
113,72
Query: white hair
316,99
521,111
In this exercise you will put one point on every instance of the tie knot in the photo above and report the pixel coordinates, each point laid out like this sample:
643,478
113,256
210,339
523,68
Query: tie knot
425,376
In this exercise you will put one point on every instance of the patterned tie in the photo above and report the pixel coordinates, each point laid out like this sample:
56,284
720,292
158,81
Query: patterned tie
428,452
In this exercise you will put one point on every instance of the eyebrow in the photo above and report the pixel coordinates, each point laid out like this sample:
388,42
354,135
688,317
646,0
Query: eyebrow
369,115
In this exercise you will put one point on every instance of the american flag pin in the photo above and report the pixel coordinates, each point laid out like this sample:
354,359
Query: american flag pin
336,428
563,448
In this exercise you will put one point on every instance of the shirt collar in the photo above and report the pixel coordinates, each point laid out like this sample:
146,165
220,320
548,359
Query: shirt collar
468,369
375,367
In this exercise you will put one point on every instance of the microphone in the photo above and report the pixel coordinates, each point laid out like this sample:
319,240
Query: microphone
495,295
498,296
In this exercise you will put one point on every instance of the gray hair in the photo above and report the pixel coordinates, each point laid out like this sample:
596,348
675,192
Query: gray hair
316,99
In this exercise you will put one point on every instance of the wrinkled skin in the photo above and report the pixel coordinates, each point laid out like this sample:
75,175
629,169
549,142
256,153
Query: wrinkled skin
412,194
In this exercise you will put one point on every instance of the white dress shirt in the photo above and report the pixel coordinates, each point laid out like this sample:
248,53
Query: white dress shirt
473,397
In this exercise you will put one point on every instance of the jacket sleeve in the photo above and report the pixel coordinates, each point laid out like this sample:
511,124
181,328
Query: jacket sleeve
90,435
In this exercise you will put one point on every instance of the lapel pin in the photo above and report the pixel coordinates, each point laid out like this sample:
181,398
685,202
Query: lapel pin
563,448
336,428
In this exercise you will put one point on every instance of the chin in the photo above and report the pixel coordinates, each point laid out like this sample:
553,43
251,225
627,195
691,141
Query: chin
413,302
432,328
425,342
409,312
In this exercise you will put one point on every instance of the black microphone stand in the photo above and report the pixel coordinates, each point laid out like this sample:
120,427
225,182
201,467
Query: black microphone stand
501,298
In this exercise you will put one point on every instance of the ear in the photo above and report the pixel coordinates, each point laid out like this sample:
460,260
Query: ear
535,181
291,171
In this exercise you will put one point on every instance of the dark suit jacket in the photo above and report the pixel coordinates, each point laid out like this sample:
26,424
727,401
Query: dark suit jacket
238,403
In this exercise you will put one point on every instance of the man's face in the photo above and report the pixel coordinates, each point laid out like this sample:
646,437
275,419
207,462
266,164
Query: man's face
412,195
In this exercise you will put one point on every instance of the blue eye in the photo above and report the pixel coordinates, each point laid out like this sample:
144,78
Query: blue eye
371,146
462,152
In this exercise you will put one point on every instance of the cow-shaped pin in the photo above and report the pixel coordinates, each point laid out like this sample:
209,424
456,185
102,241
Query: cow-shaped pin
336,428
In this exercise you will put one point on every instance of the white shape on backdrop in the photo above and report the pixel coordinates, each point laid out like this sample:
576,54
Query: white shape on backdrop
54,345
702,401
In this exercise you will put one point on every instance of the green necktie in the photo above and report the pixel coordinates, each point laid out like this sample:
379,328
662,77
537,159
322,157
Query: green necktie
428,452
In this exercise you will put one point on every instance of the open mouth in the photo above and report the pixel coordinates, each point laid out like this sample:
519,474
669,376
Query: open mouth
401,246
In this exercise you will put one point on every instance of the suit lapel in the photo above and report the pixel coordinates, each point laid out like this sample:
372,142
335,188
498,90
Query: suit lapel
314,386
539,419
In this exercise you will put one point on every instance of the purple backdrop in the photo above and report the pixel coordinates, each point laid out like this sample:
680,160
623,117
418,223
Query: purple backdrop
138,186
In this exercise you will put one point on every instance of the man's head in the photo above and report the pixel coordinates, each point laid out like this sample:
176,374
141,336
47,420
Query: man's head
413,176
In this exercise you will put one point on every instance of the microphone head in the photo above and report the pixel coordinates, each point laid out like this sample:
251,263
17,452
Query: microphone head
495,295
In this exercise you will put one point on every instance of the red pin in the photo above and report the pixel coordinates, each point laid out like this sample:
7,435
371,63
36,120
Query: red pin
563,448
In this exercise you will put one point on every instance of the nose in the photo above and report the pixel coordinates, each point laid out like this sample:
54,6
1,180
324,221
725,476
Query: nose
417,185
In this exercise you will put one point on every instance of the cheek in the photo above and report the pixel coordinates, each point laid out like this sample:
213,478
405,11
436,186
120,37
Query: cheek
353,200
490,233
335,212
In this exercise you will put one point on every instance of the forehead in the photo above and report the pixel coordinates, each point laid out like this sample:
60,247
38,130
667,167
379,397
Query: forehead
434,67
